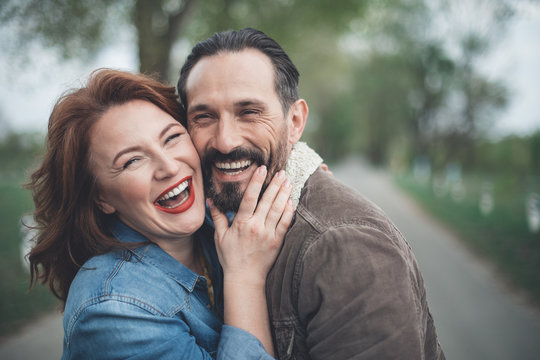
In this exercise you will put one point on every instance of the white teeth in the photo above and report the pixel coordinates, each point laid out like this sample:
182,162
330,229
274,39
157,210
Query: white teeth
176,191
234,165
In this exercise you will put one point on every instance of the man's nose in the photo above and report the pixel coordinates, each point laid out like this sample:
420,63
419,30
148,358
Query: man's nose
228,135
166,166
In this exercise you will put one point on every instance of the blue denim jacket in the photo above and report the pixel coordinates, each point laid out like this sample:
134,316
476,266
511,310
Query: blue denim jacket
144,304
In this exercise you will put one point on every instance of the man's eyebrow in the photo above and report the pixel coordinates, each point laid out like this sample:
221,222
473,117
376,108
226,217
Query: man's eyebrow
198,107
242,103
249,102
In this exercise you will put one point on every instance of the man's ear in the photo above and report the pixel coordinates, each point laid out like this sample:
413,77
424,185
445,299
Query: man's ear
299,113
105,206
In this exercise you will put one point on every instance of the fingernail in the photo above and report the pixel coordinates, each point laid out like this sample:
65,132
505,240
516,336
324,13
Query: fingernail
281,174
262,169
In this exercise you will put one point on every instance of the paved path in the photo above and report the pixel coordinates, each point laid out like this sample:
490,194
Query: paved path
41,340
476,316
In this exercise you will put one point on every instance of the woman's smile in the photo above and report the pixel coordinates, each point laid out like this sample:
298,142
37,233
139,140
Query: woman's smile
178,198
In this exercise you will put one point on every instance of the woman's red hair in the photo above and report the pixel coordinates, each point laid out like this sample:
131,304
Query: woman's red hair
71,226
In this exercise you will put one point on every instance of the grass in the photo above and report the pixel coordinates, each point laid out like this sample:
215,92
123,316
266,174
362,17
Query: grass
501,235
18,304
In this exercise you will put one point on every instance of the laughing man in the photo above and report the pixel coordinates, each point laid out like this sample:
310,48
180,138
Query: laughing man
346,284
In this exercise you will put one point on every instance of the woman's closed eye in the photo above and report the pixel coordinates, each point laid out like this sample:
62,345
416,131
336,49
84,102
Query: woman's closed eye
173,137
130,162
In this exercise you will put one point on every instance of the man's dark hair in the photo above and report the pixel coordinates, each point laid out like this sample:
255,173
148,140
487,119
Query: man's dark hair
285,73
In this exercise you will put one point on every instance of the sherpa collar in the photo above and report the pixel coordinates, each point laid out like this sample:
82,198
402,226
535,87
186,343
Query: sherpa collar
302,162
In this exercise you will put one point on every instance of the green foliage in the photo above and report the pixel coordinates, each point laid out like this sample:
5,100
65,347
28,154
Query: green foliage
75,27
18,304
512,154
534,147
19,152
502,235
373,72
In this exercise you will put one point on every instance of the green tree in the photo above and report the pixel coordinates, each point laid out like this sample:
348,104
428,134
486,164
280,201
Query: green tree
18,151
78,28
410,80
481,98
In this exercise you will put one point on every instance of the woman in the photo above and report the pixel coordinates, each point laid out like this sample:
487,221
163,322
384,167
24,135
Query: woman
120,208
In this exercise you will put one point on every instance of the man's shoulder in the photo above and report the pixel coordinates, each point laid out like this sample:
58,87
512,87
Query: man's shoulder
326,202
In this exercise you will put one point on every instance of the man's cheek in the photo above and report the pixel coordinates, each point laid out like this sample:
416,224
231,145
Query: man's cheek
197,140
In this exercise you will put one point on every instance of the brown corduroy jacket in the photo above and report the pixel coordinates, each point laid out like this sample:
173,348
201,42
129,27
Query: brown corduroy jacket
346,284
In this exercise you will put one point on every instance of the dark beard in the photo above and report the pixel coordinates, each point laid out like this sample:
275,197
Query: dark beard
230,196
228,199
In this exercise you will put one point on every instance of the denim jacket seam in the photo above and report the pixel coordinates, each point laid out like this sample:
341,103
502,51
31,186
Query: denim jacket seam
118,298
117,266
96,299
188,287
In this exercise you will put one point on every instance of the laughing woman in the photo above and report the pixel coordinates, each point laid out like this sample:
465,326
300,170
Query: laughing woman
120,208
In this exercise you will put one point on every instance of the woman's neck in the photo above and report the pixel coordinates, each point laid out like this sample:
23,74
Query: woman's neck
184,251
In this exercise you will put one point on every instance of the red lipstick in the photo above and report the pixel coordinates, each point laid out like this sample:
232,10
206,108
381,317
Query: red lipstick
185,205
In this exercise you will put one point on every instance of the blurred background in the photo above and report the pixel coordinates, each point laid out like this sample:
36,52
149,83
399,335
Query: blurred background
440,95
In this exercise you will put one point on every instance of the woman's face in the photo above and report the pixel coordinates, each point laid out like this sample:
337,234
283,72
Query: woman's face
148,171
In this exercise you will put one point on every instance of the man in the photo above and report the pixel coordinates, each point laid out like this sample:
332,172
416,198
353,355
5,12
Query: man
345,284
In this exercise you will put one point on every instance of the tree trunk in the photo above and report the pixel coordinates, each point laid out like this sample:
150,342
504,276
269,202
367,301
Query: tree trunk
157,30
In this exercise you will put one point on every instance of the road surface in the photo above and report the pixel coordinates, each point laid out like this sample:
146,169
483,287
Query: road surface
476,315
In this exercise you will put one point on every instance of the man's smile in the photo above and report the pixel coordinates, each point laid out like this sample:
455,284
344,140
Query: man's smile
233,167
233,171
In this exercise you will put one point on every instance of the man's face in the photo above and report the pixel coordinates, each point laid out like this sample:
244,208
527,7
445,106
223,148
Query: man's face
236,122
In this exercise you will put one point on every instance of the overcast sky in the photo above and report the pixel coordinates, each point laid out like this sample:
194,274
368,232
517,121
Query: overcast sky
28,91
516,61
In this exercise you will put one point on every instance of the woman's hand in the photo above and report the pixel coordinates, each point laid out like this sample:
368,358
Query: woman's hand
248,248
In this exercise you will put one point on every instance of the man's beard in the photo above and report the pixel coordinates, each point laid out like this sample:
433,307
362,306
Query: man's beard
230,196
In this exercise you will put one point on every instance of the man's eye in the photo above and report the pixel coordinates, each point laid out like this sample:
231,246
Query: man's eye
201,120
250,112
199,117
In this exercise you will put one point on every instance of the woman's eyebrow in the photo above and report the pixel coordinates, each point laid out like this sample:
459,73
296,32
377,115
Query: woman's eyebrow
167,128
125,151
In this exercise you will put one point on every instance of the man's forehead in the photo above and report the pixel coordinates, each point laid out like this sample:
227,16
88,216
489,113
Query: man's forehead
231,66
233,77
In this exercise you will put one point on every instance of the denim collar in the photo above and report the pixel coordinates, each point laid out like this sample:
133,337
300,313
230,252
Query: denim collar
150,253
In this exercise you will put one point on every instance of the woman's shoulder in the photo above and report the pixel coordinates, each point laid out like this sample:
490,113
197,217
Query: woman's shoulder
122,277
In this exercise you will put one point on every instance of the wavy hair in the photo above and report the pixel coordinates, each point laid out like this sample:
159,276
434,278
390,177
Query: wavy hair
71,227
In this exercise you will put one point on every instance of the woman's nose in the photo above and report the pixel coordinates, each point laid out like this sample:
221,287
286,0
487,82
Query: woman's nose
167,166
